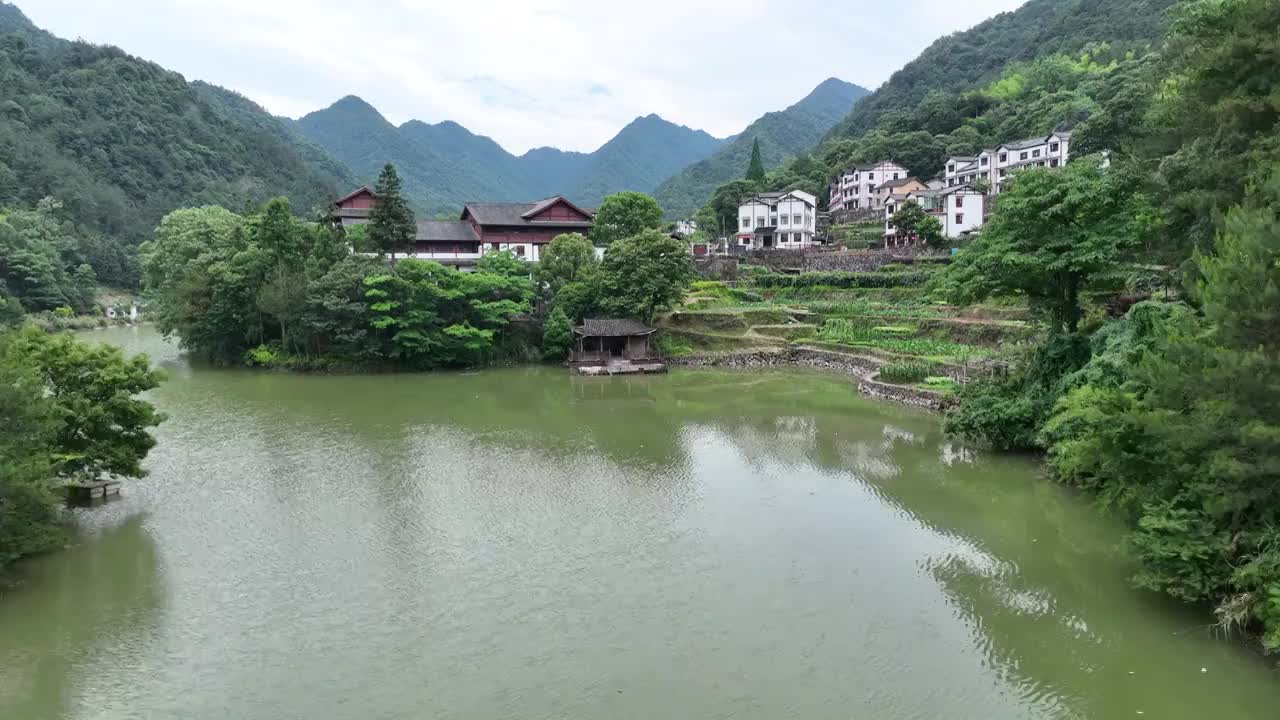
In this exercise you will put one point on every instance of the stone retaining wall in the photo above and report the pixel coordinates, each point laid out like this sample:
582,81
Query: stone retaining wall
866,369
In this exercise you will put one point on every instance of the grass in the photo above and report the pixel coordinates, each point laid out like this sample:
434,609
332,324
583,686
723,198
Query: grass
846,332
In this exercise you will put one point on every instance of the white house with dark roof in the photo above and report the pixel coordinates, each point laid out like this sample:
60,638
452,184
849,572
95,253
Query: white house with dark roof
961,210
855,189
785,220
997,165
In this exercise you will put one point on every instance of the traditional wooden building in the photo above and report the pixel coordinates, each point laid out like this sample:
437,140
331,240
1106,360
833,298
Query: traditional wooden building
521,228
602,341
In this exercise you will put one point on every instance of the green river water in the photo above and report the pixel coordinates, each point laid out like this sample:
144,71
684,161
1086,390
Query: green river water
524,544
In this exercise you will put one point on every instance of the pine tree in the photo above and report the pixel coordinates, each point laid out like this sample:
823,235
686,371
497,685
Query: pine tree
755,171
391,224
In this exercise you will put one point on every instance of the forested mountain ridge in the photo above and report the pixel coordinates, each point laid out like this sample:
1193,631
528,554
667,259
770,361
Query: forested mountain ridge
781,135
968,59
445,164
120,141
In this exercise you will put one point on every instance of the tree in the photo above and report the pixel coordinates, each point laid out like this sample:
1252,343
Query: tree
504,263
1052,233
100,424
564,260
29,519
908,217
392,227
755,171
930,232
623,215
643,275
557,335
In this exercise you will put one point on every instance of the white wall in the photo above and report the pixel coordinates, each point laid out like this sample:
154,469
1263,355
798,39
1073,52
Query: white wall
964,213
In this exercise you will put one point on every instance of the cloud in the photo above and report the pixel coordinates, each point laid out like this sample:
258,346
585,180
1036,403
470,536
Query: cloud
567,73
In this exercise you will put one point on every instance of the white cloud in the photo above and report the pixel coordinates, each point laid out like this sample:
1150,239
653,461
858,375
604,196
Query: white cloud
567,73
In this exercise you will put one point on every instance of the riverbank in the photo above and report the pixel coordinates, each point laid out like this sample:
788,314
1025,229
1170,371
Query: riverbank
864,368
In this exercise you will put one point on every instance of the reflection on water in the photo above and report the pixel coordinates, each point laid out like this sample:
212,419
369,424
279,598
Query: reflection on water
524,544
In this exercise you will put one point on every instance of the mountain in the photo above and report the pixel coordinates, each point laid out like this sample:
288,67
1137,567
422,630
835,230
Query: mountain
643,154
445,164
969,59
120,141
781,134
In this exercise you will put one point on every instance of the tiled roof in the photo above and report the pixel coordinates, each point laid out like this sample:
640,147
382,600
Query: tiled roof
353,193
515,214
609,327
445,231
897,183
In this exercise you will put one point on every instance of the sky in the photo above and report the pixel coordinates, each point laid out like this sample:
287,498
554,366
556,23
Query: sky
528,73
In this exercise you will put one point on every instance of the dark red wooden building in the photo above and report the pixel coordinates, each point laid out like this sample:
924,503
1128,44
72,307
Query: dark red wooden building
522,228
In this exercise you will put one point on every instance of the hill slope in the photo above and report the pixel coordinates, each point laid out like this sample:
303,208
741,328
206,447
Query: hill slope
121,141
781,134
968,59
645,152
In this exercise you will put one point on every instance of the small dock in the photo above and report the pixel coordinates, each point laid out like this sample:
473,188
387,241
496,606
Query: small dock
623,367
92,493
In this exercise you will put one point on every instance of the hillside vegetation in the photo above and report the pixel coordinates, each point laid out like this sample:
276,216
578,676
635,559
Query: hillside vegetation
781,135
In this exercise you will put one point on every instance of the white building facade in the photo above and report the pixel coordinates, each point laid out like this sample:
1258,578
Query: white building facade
855,189
997,165
777,220
961,210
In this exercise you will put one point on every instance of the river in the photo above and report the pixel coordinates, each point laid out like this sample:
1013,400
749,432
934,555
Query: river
519,543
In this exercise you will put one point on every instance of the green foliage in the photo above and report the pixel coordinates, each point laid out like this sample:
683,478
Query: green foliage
642,275
42,260
121,142
909,217
755,170
567,258
101,428
625,215
391,224
906,372
71,412
843,331
557,335
1054,231
782,135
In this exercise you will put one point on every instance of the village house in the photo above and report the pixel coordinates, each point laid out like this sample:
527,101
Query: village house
996,165
785,220
524,229
960,210
856,188
898,186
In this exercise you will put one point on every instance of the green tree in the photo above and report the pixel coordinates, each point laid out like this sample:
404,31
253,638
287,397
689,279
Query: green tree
504,263
623,215
557,335
101,427
643,275
1053,232
29,518
930,232
755,171
392,227
908,217
564,260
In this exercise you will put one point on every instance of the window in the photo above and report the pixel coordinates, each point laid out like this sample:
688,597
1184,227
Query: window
959,218
1053,148
871,189
795,219
1035,153
746,222
959,201
895,176
784,219
1003,172
855,204
890,226
951,168
889,208
871,176
1022,156
1004,157
759,222
855,177
773,220
1053,162
982,162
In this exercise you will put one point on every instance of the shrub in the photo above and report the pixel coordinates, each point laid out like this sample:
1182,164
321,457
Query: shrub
261,356
906,372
